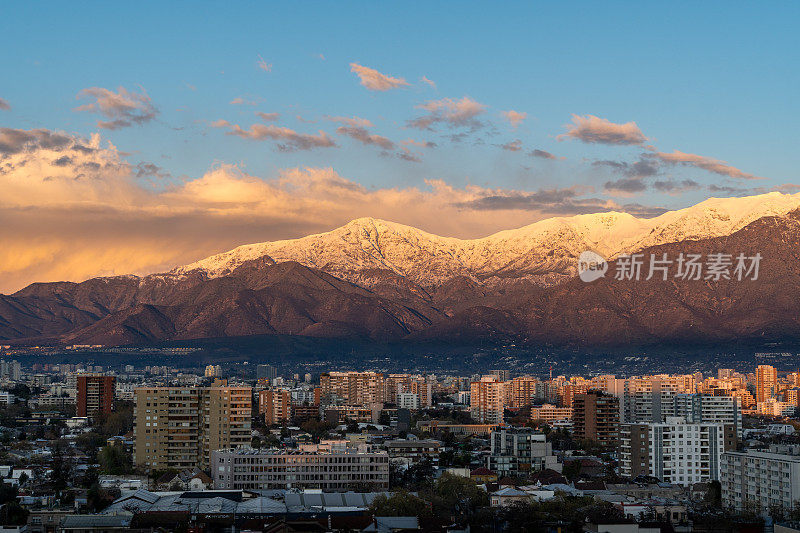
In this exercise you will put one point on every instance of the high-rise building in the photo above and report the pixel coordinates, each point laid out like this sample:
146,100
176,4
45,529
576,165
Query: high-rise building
675,451
520,451
766,383
502,374
354,388
275,405
95,394
266,372
761,479
595,416
488,400
213,371
179,427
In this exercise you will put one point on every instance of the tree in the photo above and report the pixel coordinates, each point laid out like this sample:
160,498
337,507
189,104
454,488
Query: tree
13,514
8,493
458,497
401,503
114,460
61,472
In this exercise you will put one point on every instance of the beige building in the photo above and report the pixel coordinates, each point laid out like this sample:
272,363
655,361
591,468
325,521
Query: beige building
354,388
179,427
488,399
275,405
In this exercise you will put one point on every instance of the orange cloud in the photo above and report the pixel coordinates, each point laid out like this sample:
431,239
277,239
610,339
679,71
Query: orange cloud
374,80
592,129
706,163
515,118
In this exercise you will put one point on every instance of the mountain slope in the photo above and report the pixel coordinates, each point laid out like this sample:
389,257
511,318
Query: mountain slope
544,252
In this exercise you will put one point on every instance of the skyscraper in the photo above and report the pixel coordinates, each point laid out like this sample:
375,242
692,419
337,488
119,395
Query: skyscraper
595,416
766,382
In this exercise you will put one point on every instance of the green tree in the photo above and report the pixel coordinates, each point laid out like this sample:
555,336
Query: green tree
458,497
401,503
114,460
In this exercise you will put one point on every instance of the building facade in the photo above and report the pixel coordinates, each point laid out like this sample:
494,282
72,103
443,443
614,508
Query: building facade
520,451
179,427
675,451
760,479
334,470
595,416
95,394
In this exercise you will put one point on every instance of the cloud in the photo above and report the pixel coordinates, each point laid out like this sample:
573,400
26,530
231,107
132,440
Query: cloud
91,214
288,139
514,118
424,79
706,163
676,187
268,117
374,80
14,141
4,105
452,113
263,65
642,168
365,137
419,144
147,169
626,186
351,121
122,108
239,100
542,154
592,129
512,146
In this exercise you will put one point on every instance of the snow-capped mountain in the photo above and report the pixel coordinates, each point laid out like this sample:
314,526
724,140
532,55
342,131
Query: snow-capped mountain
544,251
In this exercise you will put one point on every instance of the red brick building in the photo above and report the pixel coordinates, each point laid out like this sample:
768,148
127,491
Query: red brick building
95,394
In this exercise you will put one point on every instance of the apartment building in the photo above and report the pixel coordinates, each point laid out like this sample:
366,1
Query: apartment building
524,390
595,416
551,413
763,479
179,427
520,451
275,405
766,383
488,400
353,388
675,451
333,469
95,394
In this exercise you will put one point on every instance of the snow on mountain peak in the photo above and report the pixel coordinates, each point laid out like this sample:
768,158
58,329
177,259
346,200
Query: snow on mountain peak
537,250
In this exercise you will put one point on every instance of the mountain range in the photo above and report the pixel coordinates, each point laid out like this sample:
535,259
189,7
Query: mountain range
385,281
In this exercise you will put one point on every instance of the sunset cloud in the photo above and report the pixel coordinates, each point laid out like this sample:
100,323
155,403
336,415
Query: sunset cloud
706,163
122,108
374,80
515,118
4,105
512,146
542,154
268,117
427,81
592,129
452,113
288,139
365,137
263,65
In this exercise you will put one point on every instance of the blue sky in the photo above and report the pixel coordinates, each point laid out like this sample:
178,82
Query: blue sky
716,80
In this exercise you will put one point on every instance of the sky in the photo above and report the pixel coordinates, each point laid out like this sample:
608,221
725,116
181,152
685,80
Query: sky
141,136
